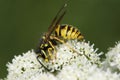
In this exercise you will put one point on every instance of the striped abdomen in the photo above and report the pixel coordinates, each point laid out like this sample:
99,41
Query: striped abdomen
68,32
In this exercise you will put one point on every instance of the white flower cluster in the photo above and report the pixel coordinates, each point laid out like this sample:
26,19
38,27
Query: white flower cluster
75,61
113,59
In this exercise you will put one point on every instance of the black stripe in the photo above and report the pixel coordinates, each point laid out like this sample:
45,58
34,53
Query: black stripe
68,29
79,35
61,27
73,30
77,31
56,33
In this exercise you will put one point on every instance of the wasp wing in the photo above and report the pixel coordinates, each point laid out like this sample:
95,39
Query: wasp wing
56,21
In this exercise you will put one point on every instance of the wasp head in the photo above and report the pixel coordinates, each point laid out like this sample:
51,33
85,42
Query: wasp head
43,45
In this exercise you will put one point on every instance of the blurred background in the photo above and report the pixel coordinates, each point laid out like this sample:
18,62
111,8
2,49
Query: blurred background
22,22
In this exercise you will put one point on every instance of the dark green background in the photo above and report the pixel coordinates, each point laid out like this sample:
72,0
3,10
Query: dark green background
23,21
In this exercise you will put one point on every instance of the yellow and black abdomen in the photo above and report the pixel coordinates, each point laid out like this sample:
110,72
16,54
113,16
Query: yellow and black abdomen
68,32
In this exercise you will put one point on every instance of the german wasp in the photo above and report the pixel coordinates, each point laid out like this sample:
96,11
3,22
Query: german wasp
56,34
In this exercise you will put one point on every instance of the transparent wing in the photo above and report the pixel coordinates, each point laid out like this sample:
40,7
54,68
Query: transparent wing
56,21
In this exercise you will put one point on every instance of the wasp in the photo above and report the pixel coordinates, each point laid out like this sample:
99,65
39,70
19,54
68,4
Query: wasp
56,34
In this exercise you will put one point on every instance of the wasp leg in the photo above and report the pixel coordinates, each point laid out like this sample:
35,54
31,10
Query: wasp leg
53,49
52,57
50,52
62,41
42,63
46,57
53,37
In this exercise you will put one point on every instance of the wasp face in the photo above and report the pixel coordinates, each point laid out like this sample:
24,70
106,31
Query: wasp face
45,48
41,47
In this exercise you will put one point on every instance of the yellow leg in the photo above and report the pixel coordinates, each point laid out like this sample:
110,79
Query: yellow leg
50,53
53,49
62,41
46,57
